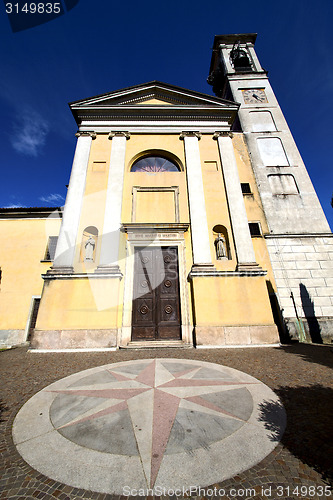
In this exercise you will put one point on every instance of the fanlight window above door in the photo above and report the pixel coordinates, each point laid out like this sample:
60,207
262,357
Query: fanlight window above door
154,164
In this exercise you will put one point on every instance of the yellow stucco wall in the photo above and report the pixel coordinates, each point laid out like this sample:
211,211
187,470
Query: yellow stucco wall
79,304
231,301
21,266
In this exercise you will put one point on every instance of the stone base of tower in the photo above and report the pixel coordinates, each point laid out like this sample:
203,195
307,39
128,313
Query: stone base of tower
316,330
303,270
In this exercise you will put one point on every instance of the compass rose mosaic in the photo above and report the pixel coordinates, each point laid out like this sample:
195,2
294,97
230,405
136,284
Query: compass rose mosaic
140,424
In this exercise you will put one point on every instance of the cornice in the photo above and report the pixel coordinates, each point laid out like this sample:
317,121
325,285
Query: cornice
298,235
153,117
74,276
31,213
224,274
152,227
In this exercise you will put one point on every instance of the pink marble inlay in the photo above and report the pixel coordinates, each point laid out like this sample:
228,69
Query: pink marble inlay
165,410
147,376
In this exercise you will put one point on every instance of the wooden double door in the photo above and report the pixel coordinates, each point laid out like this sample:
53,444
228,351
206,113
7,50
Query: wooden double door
156,303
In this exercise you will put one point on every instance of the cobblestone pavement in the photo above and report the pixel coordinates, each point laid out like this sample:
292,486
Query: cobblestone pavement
299,467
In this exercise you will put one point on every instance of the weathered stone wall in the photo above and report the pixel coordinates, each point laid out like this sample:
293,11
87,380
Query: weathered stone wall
303,265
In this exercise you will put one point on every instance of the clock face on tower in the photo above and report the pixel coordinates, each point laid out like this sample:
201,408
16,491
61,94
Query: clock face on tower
254,96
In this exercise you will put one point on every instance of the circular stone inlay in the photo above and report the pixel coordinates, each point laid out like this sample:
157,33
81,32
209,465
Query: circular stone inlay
168,423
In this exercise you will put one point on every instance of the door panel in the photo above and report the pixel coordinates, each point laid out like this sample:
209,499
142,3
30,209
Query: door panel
156,304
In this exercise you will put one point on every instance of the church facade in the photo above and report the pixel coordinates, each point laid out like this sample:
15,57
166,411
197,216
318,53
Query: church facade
186,223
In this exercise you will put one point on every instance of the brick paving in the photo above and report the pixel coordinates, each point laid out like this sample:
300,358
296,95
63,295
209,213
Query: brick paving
301,466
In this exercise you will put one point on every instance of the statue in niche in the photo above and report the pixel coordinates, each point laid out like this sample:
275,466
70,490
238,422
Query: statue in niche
221,251
89,249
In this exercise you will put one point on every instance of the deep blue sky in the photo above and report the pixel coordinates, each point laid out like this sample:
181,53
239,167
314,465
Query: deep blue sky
104,45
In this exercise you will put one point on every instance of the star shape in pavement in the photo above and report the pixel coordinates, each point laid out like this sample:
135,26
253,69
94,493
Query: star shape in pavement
152,396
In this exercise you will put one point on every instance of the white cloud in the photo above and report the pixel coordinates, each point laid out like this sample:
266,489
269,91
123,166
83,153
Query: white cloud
29,133
15,205
53,199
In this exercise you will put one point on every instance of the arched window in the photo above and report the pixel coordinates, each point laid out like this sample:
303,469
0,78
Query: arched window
154,163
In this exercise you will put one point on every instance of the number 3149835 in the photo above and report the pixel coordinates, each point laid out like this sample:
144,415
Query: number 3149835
34,8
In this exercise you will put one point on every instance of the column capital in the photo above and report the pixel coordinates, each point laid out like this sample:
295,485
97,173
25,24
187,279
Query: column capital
119,134
222,133
86,134
190,134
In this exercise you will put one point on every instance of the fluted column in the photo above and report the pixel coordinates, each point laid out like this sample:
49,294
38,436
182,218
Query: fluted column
112,219
240,227
202,259
65,251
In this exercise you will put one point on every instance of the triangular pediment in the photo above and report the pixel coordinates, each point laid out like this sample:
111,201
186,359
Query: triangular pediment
155,106
152,94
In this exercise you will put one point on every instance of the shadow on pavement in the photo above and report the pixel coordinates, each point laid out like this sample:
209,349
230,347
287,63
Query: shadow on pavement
3,408
308,435
322,355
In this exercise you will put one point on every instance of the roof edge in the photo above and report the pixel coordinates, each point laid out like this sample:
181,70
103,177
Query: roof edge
30,212
232,38
153,83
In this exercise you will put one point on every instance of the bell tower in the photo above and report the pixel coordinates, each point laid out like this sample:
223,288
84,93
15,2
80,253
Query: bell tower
299,236
283,181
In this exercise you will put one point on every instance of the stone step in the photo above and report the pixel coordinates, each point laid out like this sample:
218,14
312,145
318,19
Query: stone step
151,344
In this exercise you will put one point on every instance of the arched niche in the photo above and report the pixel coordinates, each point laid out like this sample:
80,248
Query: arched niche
89,244
221,242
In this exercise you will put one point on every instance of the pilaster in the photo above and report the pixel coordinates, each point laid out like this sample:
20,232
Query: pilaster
202,259
64,255
244,249
112,218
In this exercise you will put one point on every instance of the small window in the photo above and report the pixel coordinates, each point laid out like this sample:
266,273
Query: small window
254,229
246,188
51,248
152,164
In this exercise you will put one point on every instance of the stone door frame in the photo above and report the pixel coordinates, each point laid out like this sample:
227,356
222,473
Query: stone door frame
153,236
